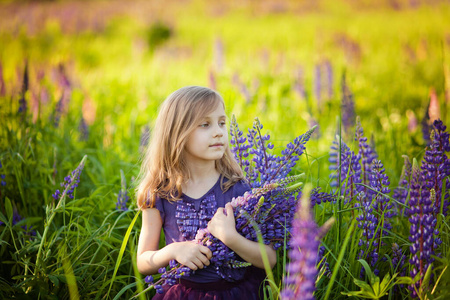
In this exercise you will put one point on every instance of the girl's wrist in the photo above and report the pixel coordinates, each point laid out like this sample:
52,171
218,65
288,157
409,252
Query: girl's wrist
230,238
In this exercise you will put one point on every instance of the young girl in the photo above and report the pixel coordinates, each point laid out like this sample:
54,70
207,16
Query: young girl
187,178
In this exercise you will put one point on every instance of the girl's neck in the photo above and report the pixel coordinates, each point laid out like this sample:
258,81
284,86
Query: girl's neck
201,179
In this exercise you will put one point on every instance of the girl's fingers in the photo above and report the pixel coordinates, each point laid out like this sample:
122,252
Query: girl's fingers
206,252
229,209
204,260
191,266
198,263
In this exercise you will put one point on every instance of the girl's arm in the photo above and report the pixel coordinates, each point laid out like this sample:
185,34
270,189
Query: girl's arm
223,227
150,259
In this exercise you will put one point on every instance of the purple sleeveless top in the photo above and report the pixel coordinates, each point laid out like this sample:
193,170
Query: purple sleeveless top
181,220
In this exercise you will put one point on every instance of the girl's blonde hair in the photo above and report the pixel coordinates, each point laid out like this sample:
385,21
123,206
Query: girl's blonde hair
163,168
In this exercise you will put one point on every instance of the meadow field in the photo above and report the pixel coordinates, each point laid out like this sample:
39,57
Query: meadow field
80,87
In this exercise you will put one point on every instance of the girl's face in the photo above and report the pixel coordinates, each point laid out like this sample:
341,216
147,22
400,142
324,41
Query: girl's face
209,140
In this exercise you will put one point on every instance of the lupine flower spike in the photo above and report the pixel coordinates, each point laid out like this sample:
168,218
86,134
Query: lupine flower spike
70,183
254,154
402,191
305,240
123,197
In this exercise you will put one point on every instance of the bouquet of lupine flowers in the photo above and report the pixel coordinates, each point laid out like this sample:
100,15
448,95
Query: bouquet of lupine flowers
267,210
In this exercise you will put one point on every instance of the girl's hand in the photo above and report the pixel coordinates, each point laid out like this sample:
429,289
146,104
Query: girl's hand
223,225
192,255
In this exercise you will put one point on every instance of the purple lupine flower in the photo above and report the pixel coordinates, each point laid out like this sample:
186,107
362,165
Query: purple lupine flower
347,106
367,155
375,214
312,122
367,223
426,128
379,182
263,166
57,113
16,218
122,197
398,260
329,73
169,275
62,77
318,197
436,166
304,243
2,176
398,264
402,191
239,145
422,229
324,266
84,130
242,88
25,87
346,170
299,86
70,183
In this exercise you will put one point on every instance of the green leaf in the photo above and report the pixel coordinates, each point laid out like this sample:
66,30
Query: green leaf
122,250
368,271
9,210
54,279
405,280
363,285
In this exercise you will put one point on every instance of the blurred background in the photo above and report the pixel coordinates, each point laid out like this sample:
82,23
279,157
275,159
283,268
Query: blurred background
87,77
290,63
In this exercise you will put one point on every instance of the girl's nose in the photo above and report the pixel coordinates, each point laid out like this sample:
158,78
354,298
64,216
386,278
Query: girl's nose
218,131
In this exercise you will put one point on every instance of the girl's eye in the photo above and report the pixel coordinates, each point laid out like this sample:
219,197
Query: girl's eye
204,125
223,123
